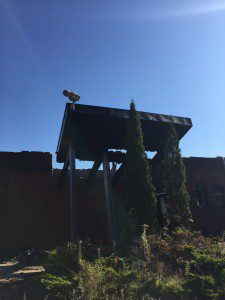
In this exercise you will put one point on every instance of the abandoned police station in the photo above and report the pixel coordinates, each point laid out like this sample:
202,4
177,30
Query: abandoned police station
42,207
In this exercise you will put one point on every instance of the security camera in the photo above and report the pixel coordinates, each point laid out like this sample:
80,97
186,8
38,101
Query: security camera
74,97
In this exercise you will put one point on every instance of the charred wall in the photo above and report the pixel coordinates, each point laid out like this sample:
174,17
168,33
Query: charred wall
206,186
34,210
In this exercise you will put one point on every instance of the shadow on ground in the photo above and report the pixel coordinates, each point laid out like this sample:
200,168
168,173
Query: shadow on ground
19,281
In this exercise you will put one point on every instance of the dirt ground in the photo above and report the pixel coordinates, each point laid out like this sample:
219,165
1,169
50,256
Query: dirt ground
19,281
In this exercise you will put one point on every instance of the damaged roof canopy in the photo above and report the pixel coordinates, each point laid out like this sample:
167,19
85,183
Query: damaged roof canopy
94,128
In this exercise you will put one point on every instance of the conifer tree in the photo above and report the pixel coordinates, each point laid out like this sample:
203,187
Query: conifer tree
139,192
178,212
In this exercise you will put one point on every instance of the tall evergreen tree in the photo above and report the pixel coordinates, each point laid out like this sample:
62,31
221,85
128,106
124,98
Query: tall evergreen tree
139,192
178,212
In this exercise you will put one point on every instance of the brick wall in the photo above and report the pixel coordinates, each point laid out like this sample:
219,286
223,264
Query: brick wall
207,173
34,211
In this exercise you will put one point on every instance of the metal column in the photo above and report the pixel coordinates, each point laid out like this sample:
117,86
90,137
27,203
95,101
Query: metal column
73,206
109,197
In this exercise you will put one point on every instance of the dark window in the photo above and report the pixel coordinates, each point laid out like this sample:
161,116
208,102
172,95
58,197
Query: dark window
218,196
201,196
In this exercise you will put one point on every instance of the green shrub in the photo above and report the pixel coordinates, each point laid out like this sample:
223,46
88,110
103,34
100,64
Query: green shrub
62,260
126,229
182,265
60,287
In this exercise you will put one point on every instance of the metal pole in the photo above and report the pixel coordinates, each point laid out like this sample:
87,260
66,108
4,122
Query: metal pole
109,197
73,211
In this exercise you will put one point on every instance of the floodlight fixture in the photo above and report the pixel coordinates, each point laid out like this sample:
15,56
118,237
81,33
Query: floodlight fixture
73,96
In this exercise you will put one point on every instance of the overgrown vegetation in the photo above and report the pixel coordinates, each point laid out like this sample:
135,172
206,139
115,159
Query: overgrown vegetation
182,265
178,212
139,192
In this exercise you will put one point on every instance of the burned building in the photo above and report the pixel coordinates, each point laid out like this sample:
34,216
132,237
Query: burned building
36,200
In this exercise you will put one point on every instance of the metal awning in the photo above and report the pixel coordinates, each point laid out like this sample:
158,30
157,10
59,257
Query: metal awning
95,128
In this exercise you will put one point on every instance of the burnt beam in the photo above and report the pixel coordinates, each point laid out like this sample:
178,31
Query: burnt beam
92,173
118,174
113,156
117,156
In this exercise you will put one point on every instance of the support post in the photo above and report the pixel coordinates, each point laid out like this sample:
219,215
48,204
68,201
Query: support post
109,197
73,212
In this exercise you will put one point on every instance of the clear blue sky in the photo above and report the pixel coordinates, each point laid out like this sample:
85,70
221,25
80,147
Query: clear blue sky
168,55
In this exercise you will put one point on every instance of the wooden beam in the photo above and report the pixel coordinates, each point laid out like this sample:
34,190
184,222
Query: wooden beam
92,173
109,198
118,174
114,156
73,211
113,170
